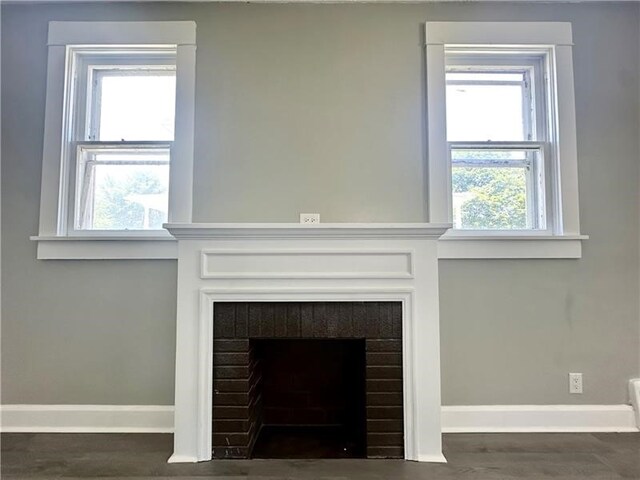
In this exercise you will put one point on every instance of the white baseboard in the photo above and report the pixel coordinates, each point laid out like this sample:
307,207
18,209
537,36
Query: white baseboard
432,458
455,419
538,418
634,394
87,418
182,459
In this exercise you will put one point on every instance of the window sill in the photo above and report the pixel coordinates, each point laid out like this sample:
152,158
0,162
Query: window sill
450,246
107,248
461,246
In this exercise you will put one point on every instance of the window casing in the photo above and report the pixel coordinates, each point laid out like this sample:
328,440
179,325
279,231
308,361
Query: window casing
541,160
87,141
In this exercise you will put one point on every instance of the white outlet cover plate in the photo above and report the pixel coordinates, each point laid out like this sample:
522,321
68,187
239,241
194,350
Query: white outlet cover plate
309,218
575,383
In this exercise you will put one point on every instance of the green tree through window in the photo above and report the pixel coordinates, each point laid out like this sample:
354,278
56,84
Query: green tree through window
496,197
115,207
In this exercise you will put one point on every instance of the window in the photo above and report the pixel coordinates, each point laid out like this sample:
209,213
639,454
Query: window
502,140
118,146
496,131
121,123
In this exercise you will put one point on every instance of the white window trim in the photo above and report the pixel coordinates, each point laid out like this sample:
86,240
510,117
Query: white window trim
53,240
565,240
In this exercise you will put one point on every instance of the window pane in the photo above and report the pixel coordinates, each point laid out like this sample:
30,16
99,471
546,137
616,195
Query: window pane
495,189
123,190
515,77
134,105
494,158
487,107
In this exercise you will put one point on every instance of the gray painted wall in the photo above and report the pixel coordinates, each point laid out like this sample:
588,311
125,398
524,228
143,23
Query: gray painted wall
321,108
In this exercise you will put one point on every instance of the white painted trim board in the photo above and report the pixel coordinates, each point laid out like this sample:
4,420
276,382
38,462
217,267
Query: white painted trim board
455,419
87,418
538,418
634,395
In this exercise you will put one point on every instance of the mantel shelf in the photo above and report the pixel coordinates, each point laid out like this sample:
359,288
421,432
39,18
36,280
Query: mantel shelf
185,231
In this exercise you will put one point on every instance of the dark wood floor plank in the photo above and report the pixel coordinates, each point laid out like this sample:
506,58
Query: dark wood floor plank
471,456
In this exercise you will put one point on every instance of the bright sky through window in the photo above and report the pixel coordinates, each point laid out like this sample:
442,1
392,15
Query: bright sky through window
136,106
485,106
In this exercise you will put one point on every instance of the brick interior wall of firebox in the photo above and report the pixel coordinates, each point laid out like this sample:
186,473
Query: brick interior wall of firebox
237,402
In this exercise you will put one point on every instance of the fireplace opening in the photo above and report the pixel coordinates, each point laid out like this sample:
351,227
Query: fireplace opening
307,380
313,399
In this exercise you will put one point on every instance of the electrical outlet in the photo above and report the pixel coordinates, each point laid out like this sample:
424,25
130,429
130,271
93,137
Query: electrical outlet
575,383
309,218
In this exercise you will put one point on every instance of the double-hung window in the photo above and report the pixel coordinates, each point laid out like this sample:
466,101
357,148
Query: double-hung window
118,142
502,139
120,138
496,134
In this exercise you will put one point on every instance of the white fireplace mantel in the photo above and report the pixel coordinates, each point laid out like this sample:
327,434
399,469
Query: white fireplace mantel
274,262
184,231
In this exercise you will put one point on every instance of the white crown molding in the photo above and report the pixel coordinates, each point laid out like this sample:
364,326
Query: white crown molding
134,33
515,33
455,419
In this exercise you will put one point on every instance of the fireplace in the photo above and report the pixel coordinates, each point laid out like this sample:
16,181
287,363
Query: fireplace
338,271
312,398
307,380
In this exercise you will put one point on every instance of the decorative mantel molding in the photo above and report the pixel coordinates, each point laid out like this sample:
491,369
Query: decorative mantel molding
298,230
227,262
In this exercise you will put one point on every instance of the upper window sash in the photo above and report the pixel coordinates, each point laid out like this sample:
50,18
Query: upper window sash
533,68
99,76
93,68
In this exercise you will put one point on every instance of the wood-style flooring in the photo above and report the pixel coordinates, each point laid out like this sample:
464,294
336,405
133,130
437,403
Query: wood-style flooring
558,456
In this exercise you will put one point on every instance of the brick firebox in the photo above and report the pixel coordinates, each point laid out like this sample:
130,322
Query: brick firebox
236,378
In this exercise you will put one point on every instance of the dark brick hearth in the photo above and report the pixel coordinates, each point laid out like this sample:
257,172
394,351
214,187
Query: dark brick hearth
239,408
